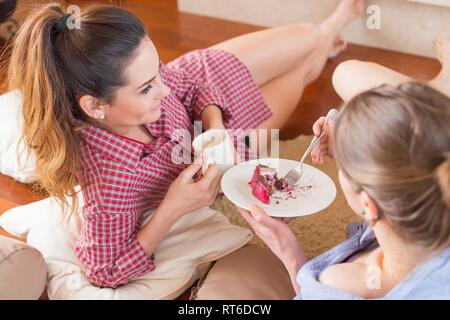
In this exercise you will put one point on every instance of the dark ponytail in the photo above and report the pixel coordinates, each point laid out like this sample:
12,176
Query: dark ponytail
52,66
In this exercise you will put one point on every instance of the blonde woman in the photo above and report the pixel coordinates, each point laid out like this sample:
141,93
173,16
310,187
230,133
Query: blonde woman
392,145
100,110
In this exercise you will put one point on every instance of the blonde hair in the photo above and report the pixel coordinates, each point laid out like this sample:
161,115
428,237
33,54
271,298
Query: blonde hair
52,66
394,143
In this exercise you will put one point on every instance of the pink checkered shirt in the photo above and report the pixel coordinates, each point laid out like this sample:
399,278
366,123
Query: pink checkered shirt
123,179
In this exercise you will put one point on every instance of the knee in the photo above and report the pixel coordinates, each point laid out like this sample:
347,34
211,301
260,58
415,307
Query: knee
344,70
249,273
345,74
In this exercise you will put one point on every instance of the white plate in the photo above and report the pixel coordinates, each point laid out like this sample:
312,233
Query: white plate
322,193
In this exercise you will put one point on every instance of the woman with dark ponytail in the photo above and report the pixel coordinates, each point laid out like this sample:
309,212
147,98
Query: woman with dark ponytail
101,110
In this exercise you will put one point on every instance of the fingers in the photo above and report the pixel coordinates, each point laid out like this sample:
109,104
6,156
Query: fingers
256,217
217,185
330,124
242,211
188,174
197,176
317,127
212,175
324,148
248,217
286,220
315,154
262,217
323,153
323,145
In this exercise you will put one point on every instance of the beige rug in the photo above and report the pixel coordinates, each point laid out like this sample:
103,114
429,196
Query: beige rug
316,233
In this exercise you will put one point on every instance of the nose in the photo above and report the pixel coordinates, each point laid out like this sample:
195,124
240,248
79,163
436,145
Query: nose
165,90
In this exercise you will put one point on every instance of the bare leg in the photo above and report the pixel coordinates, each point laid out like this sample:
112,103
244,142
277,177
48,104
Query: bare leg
283,63
283,93
271,53
284,60
353,77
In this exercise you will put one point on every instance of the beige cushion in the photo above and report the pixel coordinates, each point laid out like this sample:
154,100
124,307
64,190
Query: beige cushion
197,239
250,273
20,166
22,270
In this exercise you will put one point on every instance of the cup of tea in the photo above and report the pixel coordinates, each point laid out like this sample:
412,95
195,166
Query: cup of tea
214,147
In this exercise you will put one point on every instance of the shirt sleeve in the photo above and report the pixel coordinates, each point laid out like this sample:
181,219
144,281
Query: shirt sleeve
193,93
110,252
108,246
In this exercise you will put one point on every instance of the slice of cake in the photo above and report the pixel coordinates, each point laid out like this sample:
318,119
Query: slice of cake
265,182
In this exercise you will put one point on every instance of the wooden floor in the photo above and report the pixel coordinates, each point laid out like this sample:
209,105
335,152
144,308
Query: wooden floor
175,33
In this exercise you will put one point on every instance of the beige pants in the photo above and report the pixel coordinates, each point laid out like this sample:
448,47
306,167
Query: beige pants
250,273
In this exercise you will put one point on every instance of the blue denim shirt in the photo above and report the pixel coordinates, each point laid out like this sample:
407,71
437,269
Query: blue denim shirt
429,280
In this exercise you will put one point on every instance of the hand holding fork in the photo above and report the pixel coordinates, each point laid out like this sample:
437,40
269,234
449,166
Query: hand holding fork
324,148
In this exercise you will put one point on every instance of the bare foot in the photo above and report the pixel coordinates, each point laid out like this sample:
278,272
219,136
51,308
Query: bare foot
339,45
330,42
346,12
442,81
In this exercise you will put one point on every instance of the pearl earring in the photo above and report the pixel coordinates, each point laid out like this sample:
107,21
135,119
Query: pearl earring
99,114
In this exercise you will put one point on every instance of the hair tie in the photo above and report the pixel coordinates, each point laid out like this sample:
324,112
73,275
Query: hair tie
60,24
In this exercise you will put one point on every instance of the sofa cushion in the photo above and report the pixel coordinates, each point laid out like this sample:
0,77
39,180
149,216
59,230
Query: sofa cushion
235,277
192,244
23,271
15,160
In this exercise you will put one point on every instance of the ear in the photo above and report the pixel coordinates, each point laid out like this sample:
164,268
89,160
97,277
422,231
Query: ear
92,106
370,208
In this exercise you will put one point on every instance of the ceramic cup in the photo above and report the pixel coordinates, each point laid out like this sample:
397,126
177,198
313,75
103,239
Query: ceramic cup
214,147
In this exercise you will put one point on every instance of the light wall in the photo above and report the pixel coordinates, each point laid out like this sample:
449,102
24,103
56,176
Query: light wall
406,25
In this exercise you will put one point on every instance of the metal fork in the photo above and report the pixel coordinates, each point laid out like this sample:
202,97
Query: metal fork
294,175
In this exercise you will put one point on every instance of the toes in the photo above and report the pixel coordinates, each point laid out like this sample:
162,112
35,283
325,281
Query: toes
343,44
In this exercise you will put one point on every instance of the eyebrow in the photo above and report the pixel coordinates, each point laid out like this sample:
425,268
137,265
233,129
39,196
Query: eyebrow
147,82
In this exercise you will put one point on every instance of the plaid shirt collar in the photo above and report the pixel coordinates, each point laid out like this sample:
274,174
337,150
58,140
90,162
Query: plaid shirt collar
126,151
123,150
119,149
